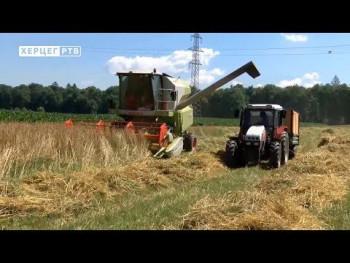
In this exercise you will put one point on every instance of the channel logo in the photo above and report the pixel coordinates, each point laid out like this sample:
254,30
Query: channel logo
49,51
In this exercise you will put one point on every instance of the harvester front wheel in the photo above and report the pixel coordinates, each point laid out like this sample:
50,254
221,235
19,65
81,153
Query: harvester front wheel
231,153
190,142
275,155
285,147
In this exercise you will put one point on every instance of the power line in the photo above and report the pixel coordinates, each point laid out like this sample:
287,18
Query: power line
237,55
286,54
272,48
220,49
113,52
121,49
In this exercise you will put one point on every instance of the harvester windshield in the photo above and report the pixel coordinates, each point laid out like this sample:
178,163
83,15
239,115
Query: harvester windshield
137,92
258,117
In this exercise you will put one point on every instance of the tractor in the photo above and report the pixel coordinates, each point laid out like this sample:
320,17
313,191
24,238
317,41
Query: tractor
157,106
267,132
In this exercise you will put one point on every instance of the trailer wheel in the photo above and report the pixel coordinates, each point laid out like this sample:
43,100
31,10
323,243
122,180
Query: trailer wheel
285,147
275,155
231,154
190,142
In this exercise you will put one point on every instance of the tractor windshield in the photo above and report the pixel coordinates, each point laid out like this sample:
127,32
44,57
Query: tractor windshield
136,92
258,117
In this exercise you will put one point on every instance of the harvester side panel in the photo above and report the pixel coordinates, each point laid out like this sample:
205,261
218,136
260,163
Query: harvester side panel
183,119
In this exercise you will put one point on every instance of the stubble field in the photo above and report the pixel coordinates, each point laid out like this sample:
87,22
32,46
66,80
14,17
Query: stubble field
54,177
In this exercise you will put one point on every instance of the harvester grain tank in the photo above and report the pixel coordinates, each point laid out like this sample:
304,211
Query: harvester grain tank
157,106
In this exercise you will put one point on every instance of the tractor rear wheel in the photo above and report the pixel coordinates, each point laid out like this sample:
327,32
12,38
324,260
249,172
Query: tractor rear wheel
285,147
190,142
275,155
231,153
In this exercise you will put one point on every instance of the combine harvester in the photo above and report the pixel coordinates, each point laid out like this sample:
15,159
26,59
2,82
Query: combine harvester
157,106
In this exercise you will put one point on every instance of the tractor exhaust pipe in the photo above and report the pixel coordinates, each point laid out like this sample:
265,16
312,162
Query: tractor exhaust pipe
250,68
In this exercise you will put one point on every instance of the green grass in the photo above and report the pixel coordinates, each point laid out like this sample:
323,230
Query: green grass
311,124
338,216
32,116
203,121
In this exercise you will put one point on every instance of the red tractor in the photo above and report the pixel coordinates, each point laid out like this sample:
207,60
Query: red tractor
267,132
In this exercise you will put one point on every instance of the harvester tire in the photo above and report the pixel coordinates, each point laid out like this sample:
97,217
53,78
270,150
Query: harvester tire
275,154
285,147
231,154
190,142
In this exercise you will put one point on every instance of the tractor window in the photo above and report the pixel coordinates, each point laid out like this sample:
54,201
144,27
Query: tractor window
258,117
278,119
137,92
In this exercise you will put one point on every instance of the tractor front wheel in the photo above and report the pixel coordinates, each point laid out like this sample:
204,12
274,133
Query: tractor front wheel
285,147
292,151
231,153
275,155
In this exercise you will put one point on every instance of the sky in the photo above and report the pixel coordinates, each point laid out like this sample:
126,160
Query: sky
282,58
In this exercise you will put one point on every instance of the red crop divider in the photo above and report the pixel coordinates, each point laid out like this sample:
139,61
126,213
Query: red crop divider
68,123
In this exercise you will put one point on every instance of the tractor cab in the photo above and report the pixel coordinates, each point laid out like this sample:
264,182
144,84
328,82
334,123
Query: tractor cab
268,115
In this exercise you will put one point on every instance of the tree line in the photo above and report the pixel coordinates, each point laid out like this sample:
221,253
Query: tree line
54,98
326,103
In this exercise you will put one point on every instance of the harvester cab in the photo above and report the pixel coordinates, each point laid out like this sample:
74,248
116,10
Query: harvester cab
158,106
143,94
267,132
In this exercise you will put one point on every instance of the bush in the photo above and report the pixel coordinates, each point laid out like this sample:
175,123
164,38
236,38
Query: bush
40,109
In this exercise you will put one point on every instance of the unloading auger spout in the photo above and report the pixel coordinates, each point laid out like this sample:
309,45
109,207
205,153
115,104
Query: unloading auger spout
250,68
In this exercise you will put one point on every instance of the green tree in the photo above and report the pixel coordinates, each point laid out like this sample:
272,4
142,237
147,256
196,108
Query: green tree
94,97
21,97
70,95
55,97
36,95
109,96
321,103
335,81
5,96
